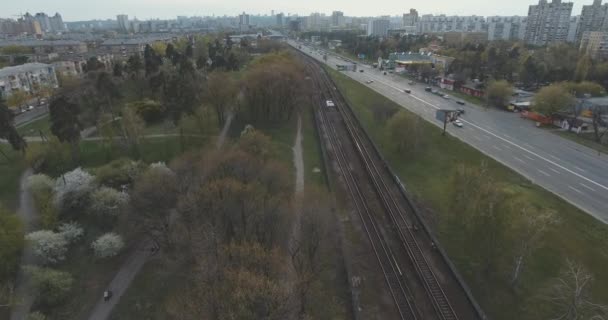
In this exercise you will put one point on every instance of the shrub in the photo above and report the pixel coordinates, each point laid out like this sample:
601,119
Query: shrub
118,173
40,183
48,245
48,156
52,286
41,187
149,110
36,316
71,231
75,181
107,202
108,245
11,244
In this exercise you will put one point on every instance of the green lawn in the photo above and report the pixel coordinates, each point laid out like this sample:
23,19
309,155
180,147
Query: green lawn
578,236
32,129
585,139
313,160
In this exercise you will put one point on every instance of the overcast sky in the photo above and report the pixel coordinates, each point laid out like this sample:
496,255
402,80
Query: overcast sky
73,10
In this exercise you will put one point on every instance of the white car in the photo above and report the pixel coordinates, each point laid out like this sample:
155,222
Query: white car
445,96
30,108
369,81
457,123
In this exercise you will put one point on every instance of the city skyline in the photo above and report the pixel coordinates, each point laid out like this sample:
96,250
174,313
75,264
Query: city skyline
73,10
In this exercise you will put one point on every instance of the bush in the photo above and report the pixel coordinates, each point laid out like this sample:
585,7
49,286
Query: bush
48,245
75,181
108,245
71,231
36,316
108,202
118,173
149,110
41,187
40,183
46,157
11,244
51,285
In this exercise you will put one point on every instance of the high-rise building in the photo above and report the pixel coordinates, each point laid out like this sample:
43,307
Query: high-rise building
280,18
548,22
410,19
123,22
595,44
594,17
442,23
45,22
506,28
572,28
244,22
378,27
56,22
337,19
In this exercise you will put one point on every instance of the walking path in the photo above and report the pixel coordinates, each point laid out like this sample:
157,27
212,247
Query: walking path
136,261
29,216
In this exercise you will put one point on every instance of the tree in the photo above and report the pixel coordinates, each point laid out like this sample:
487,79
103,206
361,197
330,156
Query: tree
153,198
18,98
598,123
498,93
149,110
41,188
552,99
117,70
256,144
74,183
405,129
51,286
152,60
222,92
582,68
65,122
569,295
36,316
107,202
170,51
108,89
93,64
133,128
70,231
8,130
108,245
12,239
49,246
134,65
530,228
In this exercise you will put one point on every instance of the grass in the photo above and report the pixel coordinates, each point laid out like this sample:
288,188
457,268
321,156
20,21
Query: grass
33,128
10,172
312,151
585,139
579,236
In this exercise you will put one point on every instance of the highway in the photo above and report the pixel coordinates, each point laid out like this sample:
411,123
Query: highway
574,172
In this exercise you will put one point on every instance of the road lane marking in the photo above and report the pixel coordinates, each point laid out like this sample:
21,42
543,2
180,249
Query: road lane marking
527,156
510,142
506,146
586,186
580,169
497,148
520,160
546,174
553,170
554,157
506,135
575,189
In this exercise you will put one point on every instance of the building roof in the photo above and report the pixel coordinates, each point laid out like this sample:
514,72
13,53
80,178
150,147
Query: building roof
28,67
133,41
38,43
410,58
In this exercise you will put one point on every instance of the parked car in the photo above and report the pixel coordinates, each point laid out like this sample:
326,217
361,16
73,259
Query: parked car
460,102
460,111
369,81
107,295
428,89
384,72
457,123
411,83
407,90
445,96
360,70
30,108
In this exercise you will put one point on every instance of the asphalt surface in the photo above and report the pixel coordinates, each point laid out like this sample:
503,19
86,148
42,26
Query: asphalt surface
574,172
28,116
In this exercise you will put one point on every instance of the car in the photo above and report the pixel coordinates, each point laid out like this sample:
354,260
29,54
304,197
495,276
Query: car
384,72
107,295
460,102
360,70
369,81
411,83
407,90
457,123
428,89
445,96
460,111
30,108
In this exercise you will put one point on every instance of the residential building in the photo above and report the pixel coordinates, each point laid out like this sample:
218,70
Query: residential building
572,28
43,47
459,38
593,17
410,19
29,77
337,19
442,23
129,46
280,18
506,28
378,27
243,22
548,22
595,44
123,23
44,21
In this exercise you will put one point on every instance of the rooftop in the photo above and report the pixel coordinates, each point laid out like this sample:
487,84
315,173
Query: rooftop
28,67
36,43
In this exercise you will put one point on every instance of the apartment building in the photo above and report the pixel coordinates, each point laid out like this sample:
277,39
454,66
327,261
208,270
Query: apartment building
29,77
595,44
506,28
593,17
548,22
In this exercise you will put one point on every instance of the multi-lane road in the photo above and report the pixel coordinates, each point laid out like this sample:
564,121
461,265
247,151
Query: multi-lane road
575,173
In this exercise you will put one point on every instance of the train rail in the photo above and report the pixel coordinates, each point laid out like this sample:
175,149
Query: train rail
398,215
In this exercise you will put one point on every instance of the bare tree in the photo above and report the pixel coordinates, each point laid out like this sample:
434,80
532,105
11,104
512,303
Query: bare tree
570,295
532,226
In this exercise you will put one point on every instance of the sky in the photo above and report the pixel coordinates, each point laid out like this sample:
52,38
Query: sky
74,10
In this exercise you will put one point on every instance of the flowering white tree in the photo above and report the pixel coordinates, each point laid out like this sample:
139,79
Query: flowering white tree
76,181
108,245
108,202
48,245
38,183
70,231
161,167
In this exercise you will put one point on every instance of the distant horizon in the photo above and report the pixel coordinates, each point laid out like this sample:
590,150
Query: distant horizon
75,10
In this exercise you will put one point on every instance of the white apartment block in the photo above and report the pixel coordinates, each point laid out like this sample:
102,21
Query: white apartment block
378,27
29,77
506,28
572,28
410,19
439,24
548,22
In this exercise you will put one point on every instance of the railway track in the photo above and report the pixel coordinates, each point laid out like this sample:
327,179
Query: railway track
397,214
386,258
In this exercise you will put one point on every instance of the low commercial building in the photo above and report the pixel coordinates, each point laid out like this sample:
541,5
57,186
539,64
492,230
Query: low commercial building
29,78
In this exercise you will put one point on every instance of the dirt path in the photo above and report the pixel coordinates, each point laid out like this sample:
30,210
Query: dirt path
136,260
27,213
298,159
